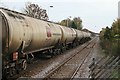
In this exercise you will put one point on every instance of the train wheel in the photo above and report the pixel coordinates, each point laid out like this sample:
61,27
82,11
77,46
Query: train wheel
58,52
24,64
12,71
30,58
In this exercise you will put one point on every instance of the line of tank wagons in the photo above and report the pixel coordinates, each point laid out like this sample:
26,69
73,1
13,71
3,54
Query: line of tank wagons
23,35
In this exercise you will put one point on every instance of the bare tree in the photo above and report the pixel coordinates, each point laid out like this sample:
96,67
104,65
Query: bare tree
35,11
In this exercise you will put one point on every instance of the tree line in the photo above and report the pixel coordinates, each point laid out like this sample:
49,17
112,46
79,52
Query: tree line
75,23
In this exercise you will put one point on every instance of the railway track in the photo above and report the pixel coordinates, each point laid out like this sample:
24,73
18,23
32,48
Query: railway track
70,67
86,45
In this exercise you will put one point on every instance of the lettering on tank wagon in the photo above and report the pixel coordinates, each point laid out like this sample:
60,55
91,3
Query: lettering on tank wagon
48,32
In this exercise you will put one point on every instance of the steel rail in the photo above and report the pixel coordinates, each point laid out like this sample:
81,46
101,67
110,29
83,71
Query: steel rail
68,59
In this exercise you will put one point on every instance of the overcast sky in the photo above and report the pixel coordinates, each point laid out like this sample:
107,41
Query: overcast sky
95,14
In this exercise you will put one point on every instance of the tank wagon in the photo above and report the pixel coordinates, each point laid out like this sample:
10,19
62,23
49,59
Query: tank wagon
23,35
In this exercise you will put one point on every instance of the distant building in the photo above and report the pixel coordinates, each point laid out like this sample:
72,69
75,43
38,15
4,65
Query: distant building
119,9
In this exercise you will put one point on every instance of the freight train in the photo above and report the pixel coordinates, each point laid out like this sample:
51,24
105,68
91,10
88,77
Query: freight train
23,35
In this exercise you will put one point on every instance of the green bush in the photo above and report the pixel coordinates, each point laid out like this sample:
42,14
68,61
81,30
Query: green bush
110,39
